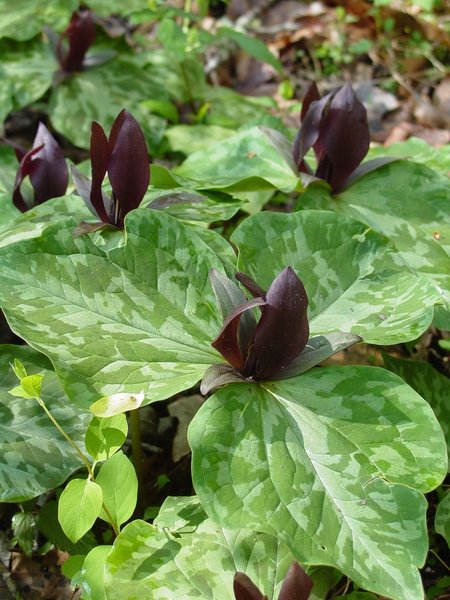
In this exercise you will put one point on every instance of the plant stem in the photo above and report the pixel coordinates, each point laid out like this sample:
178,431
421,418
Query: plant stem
136,450
439,559
187,9
67,437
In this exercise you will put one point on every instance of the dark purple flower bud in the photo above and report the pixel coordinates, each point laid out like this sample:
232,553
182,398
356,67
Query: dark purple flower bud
75,41
280,335
124,157
336,127
46,168
297,585
245,589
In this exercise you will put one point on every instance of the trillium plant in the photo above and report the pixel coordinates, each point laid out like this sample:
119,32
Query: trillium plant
124,157
308,472
46,168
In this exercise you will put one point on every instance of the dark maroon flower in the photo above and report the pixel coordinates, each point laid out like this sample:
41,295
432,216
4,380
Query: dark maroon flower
46,168
297,585
75,41
263,350
336,127
124,157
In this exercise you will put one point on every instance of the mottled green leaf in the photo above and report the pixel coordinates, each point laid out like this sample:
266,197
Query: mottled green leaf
104,436
252,45
30,224
329,462
199,562
192,138
34,456
118,481
24,19
78,507
99,94
250,160
337,259
442,518
417,150
410,205
430,384
27,73
139,317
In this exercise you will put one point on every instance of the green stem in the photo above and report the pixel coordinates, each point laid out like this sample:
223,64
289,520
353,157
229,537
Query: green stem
440,559
187,9
67,437
136,450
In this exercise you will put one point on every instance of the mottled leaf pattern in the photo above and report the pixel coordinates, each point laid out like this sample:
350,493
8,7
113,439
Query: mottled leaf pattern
430,384
99,94
328,461
248,160
34,457
442,518
200,562
139,317
417,222
336,258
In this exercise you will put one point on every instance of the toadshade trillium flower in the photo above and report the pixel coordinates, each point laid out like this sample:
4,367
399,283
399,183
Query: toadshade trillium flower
124,157
45,167
297,585
335,126
275,347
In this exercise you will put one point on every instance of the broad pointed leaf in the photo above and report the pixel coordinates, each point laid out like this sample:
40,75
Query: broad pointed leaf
409,204
99,94
34,457
442,518
27,73
248,160
331,462
200,562
429,383
140,317
341,264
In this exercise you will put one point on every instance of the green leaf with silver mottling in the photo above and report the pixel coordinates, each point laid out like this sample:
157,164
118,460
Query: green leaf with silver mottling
99,94
417,150
190,206
119,484
410,205
31,224
105,436
331,462
192,138
427,382
336,258
27,72
34,456
442,517
198,562
144,322
79,506
24,19
248,161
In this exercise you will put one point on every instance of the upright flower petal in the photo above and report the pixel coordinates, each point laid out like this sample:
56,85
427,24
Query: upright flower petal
48,169
99,153
22,172
344,136
297,585
245,589
227,342
308,134
128,168
80,35
283,330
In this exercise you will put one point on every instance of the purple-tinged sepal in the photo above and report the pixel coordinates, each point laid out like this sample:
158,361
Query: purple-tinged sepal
46,168
245,589
336,128
124,157
297,585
